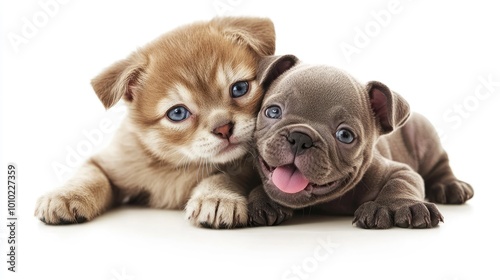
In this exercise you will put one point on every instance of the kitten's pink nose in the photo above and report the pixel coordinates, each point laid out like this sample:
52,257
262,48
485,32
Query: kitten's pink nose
224,131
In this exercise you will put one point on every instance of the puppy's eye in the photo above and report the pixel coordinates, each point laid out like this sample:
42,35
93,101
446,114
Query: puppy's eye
344,136
273,112
178,113
239,89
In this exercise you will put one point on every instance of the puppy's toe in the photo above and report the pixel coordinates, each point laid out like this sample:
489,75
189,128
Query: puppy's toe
217,212
263,211
455,192
435,215
372,215
63,209
458,192
437,193
267,213
418,215
402,217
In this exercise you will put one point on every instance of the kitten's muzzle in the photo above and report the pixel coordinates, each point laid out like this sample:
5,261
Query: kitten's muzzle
224,131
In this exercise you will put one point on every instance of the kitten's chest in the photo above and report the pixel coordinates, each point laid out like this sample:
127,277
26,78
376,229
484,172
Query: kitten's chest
153,184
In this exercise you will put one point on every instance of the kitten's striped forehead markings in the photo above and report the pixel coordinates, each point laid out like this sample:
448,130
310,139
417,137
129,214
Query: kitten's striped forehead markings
206,144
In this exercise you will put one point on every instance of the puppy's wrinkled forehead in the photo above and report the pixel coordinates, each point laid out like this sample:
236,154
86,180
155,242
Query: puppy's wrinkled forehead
316,90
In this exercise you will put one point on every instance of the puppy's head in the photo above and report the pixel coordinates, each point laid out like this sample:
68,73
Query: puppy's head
317,129
192,93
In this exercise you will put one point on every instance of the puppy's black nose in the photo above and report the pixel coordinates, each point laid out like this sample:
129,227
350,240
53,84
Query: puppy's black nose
300,142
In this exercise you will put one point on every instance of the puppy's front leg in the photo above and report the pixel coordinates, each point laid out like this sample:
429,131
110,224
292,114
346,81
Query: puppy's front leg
218,202
400,202
263,211
82,198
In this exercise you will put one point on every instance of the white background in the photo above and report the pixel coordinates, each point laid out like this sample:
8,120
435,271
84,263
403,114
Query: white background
434,53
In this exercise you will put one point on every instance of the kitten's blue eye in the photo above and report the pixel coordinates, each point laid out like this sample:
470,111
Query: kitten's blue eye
344,136
273,112
178,113
239,89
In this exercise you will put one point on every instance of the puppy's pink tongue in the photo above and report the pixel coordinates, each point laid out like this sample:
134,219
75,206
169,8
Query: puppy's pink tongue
289,179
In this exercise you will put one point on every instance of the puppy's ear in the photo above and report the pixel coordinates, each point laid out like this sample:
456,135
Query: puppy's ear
257,33
271,67
389,108
121,79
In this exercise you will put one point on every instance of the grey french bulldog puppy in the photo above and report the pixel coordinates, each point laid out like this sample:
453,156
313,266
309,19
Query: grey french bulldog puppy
328,141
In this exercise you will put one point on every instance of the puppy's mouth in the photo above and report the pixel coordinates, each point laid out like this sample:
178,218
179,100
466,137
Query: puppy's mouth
289,179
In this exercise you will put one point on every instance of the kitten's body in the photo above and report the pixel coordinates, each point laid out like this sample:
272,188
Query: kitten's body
141,175
192,100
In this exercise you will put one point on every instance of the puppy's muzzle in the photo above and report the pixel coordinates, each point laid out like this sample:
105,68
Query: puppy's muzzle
299,142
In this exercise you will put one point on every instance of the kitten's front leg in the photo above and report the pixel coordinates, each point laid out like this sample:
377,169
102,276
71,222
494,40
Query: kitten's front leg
86,195
218,201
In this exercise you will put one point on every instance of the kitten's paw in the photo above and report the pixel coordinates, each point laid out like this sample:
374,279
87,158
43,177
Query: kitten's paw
264,212
224,210
60,208
455,192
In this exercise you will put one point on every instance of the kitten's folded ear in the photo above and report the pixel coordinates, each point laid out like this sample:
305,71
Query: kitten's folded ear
121,79
257,33
390,109
271,67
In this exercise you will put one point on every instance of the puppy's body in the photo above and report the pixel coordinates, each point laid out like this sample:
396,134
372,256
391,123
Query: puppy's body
192,100
327,141
416,145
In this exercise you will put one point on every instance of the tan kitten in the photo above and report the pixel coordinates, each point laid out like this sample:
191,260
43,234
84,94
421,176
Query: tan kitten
192,97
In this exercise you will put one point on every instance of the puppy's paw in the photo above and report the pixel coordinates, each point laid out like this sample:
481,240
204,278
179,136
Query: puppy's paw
223,210
267,213
455,192
372,215
410,214
263,211
60,208
418,215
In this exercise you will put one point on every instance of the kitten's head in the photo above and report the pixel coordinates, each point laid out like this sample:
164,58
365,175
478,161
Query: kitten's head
192,93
